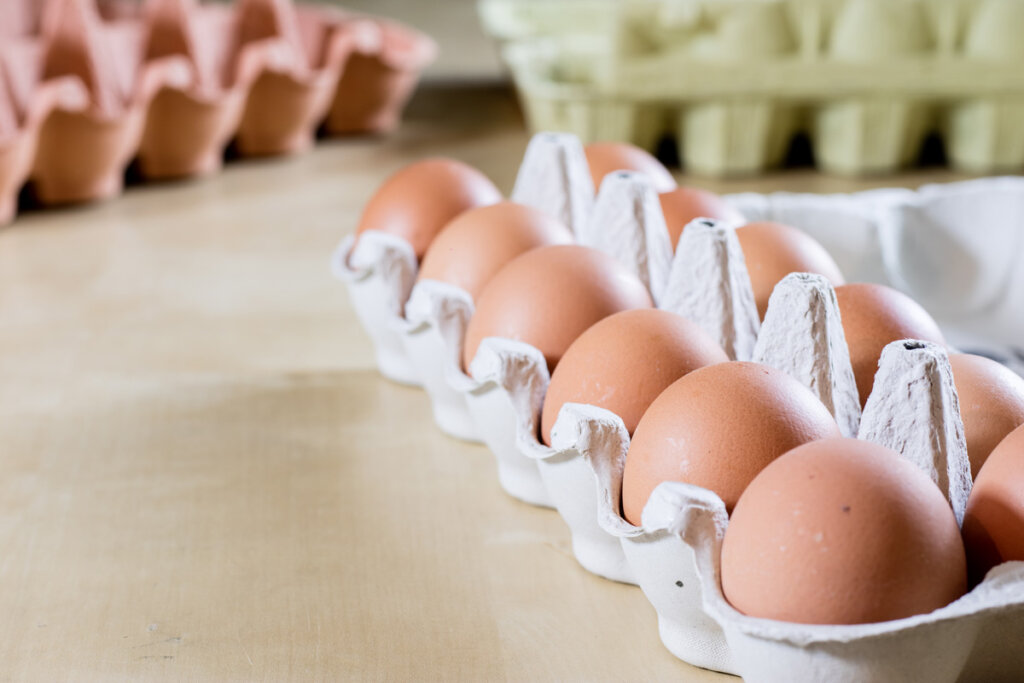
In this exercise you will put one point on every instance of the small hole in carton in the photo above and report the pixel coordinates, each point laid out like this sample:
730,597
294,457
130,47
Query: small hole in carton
679,583
913,345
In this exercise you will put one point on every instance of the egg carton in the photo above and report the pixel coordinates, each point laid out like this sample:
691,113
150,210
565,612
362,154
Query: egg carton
734,80
925,242
369,65
20,124
925,428
173,82
81,153
581,473
263,72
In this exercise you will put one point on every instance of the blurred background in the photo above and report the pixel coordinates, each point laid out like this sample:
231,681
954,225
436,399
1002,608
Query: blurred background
202,474
467,54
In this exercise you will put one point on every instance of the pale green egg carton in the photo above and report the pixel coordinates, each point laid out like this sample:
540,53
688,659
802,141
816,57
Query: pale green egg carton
733,81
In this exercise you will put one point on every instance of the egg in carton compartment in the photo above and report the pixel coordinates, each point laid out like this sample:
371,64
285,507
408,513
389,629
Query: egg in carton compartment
733,80
511,378
582,473
924,242
380,271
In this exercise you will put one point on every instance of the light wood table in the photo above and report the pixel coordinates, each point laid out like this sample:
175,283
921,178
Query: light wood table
202,477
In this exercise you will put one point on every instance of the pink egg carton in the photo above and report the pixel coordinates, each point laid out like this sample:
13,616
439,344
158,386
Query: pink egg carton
19,18
500,400
82,153
173,82
356,71
23,110
264,71
377,83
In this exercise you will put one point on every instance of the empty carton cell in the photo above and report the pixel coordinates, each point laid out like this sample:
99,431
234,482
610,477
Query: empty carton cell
734,138
986,135
873,136
373,88
186,135
81,157
281,113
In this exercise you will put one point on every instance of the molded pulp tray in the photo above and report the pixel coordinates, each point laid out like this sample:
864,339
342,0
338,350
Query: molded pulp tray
172,82
894,236
734,80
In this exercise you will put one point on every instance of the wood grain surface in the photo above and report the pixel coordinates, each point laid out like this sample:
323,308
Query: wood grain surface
202,477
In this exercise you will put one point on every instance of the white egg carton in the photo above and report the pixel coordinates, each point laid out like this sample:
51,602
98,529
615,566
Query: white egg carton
581,474
734,80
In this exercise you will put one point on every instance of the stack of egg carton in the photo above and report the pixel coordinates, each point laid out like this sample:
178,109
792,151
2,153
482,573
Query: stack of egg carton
85,89
734,80
418,327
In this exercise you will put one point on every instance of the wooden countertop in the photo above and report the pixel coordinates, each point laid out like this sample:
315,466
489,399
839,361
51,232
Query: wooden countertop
202,477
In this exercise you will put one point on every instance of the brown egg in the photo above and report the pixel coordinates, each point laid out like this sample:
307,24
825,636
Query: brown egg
874,316
549,296
991,403
774,250
717,427
842,531
994,522
477,243
623,362
684,204
606,157
419,200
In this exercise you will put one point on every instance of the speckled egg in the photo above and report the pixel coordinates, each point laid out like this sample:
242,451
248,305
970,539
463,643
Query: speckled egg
717,427
842,531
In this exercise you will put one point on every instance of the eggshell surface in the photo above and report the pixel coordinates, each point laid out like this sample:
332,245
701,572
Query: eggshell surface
419,200
874,316
842,531
548,297
684,204
607,157
623,362
474,246
991,403
717,427
994,521
774,250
